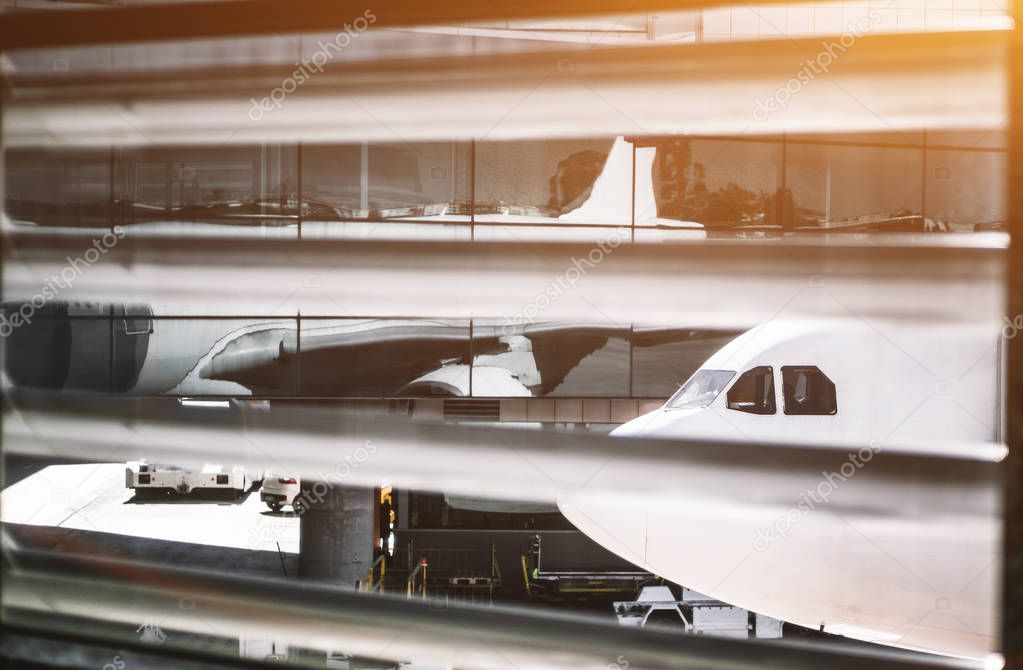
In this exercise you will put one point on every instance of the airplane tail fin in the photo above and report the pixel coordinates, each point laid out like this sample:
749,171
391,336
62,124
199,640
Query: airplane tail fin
611,197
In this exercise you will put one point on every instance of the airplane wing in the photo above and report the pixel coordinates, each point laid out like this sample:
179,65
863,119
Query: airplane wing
346,358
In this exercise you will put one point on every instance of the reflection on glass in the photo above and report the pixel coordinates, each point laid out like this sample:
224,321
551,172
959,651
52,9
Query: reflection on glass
222,184
550,359
601,371
385,358
397,181
580,191
662,357
701,389
539,181
838,187
87,347
651,189
58,188
154,190
716,183
962,195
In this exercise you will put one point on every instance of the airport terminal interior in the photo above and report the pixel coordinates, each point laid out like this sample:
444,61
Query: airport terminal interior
511,336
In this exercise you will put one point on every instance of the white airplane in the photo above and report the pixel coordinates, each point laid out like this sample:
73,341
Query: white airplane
850,385
780,383
789,548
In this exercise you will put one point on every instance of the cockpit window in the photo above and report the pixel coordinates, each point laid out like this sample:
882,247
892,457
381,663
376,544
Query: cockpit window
807,390
753,392
701,389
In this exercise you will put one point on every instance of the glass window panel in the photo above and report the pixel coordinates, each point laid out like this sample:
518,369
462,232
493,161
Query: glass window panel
745,23
88,347
718,184
603,369
701,389
911,19
551,181
964,192
753,392
853,188
717,23
828,20
799,20
889,19
771,22
808,391
332,182
384,358
577,190
244,190
411,182
967,5
210,183
940,18
550,359
662,359
57,188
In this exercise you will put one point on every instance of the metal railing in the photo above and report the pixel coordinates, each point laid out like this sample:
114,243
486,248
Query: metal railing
415,586
374,580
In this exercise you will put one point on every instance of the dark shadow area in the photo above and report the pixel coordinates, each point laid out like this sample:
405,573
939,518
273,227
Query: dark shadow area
18,467
283,514
161,552
200,497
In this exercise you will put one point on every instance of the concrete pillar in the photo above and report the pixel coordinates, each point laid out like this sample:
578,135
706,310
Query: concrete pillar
336,540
